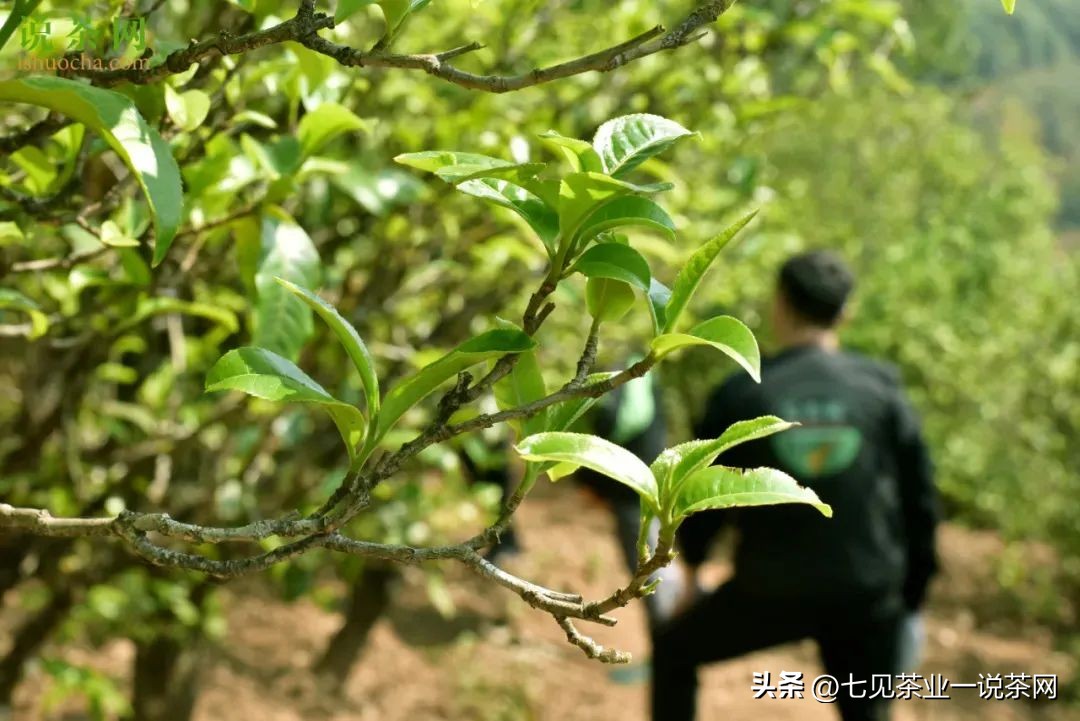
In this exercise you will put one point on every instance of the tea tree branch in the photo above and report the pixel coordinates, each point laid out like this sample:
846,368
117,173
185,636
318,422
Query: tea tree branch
304,28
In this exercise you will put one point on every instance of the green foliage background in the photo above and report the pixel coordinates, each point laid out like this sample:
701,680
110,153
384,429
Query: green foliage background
935,146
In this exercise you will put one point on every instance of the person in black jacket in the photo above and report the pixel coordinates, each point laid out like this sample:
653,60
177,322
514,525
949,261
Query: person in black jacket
848,582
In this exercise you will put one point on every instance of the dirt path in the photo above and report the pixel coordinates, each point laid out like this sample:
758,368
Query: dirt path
498,660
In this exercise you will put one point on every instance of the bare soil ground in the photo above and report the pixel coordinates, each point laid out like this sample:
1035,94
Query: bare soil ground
498,660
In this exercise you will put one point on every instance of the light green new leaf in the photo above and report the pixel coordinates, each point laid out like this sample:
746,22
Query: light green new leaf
728,335
113,235
348,337
581,155
595,453
615,261
689,278
282,322
14,300
582,193
517,173
1009,5
264,374
397,11
540,217
677,463
626,142
324,124
417,386
10,233
625,212
723,487
560,417
347,8
187,109
435,160
115,118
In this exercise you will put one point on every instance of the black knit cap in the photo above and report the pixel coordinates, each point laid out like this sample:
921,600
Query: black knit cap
816,284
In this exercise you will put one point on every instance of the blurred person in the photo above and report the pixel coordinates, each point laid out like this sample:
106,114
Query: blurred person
851,582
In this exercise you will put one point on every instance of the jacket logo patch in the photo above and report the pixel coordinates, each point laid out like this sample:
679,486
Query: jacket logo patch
824,445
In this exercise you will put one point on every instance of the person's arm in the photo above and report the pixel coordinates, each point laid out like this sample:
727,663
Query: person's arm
919,503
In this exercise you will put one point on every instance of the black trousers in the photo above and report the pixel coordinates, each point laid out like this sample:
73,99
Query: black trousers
859,639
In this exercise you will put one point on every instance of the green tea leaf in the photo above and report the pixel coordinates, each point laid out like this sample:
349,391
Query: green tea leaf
625,212
582,193
677,463
347,8
595,453
615,261
264,374
419,385
14,300
581,156
626,142
722,487
324,124
541,218
187,109
348,337
282,323
689,278
728,335
397,11
517,173
10,233
608,300
435,160
115,118
659,297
